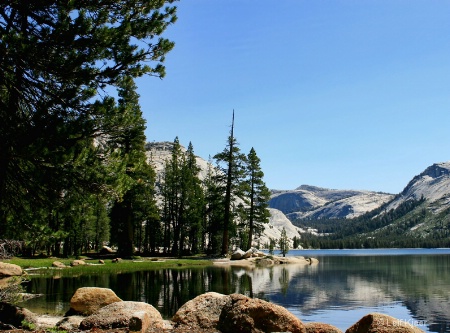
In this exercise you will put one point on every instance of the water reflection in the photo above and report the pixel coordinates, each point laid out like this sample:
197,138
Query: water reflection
406,287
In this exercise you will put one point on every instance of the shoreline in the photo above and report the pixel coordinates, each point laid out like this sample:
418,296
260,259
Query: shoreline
266,261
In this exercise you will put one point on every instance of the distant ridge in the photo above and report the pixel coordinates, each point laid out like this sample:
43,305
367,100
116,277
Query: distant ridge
312,202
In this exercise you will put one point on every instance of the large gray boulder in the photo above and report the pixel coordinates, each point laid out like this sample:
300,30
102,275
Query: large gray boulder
135,316
252,315
87,300
237,255
10,269
202,312
377,322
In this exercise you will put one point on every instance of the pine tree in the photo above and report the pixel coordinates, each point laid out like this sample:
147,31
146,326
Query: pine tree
183,200
257,197
272,244
127,143
283,242
58,60
214,210
232,165
172,197
194,201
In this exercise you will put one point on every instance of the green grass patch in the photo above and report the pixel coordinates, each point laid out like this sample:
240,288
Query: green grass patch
43,266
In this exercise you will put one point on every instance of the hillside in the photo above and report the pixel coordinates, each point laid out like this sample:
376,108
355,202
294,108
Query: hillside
277,222
433,184
159,152
430,220
310,202
417,217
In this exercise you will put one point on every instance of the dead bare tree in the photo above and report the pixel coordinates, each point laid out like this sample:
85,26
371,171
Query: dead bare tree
9,248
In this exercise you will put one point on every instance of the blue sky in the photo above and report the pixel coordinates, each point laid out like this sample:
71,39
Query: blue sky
344,94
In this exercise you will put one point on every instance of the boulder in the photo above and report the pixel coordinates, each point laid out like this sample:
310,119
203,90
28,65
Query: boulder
77,263
106,250
129,315
70,323
87,300
377,322
202,312
314,327
10,269
248,254
58,264
102,262
116,260
140,321
237,255
15,315
246,315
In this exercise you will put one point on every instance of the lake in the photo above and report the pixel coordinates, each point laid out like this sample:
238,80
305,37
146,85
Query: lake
412,285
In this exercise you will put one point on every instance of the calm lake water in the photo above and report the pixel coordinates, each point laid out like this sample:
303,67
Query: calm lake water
412,285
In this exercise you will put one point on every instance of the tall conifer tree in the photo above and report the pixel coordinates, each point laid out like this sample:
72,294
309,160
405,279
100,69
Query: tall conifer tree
257,196
232,162
214,210
127,144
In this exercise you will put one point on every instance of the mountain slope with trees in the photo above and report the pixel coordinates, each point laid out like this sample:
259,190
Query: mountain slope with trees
267,223
417,217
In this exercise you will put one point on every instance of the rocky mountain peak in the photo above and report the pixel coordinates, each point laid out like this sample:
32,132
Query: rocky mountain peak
433,184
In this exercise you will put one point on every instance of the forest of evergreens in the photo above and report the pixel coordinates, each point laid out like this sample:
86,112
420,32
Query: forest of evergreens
73,170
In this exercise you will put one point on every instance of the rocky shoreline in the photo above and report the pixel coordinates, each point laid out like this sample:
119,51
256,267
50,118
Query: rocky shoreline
98,310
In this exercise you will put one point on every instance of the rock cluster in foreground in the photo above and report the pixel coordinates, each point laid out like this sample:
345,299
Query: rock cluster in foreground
210,312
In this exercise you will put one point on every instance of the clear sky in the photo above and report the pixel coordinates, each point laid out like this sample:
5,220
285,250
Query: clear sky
343,94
